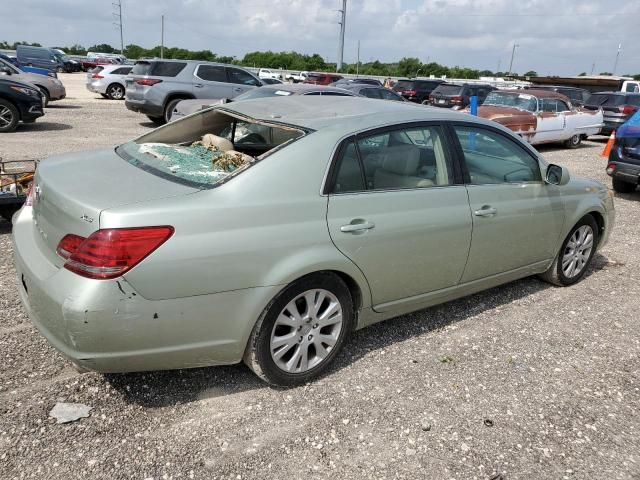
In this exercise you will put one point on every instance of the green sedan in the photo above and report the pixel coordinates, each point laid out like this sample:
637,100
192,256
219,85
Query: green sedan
268,230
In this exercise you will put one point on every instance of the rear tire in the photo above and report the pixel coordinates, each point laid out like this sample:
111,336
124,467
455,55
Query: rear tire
573,142
157,120
168,109
9,116
115,91
316,311
574,252
623,187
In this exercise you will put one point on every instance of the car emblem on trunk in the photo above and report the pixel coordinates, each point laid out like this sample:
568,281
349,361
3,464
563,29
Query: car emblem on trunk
86,218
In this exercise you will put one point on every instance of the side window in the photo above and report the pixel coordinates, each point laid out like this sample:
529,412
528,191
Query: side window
239,76
389,95
370,92
333,94
408,158
349,176
167,69
211,73
562,106
549,105
493,158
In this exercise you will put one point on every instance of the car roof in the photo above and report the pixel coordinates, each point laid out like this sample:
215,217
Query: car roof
536,93
616,93
351,113
302,88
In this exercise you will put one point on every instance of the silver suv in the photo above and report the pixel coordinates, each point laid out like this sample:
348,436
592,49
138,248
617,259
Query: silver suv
155,87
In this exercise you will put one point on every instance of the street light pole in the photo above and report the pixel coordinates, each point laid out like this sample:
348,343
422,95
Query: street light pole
358,61
513,53
162,39
342,28
615,65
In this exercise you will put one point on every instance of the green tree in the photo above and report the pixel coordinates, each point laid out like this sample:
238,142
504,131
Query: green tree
583,74
531,73
103,48
409,66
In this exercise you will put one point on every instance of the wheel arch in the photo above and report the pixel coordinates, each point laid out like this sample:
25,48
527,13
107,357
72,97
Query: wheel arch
175,95
8,100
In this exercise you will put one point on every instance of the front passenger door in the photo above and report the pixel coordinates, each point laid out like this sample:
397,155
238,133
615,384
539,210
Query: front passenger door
517,218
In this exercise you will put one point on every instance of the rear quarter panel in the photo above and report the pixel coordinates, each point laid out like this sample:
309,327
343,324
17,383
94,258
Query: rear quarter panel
267,226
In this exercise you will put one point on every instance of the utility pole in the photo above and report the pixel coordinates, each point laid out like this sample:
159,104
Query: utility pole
615,65
358,62
593,67
118,15
162,39
342,28
499,63
513,53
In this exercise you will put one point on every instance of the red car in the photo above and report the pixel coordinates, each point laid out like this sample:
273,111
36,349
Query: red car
322,78
90,64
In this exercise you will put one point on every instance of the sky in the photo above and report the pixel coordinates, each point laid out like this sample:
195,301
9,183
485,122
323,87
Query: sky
554,37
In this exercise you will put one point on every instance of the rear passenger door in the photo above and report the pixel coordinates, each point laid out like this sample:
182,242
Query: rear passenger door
211,82
398,210
517,218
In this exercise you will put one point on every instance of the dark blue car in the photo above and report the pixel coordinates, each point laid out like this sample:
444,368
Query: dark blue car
624,159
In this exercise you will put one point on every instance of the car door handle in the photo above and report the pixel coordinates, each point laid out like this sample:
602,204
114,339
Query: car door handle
485,211
198,85
357,227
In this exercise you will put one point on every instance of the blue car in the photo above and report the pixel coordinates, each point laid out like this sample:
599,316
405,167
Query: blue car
36,70
624,160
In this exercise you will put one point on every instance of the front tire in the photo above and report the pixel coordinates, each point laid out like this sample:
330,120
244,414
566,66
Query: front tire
9,116
157,120
168,109
573,142
575,255
623,187
301,331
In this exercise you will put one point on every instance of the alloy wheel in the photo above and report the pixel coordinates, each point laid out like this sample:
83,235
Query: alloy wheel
6,116
116,92
577,251
306,331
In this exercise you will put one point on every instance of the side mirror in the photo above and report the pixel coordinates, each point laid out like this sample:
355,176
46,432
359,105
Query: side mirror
557,175
6,71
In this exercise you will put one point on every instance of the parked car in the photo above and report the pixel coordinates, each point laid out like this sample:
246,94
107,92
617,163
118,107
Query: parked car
349,81
296,77
372,91
15,178
266,73
51,88
617,107
322,78
70,65
541,116
578,96
90,63
41,57
271,81
40,71
451,95
108,81
268,230
19,102
187,107
154,87
417,91
624,159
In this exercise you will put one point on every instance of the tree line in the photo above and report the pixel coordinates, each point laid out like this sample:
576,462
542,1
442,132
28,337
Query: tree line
406,67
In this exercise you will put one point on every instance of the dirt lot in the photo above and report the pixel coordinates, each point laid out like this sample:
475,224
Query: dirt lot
525,381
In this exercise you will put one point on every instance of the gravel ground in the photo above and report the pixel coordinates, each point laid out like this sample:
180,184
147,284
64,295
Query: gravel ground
525,381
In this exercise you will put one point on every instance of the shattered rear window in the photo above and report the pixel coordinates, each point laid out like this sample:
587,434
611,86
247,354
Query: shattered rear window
205,149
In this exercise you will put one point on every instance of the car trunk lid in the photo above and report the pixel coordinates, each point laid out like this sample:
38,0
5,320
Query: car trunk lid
70,191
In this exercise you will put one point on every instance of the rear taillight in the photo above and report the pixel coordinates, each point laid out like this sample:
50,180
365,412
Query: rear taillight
30,193
411,93
96,76
611,168
627,109
147,81
457,99
111,252
68,245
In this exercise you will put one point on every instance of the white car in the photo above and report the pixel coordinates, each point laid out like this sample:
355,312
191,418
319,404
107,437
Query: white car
297,76
108,80
266,73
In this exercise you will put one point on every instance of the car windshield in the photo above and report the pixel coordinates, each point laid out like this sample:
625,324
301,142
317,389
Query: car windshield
205,149
606,100
448,89
516,100
403,85
263,93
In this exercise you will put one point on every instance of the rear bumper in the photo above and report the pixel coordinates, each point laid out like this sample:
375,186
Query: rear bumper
57,92
107,326
97,87
144,106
